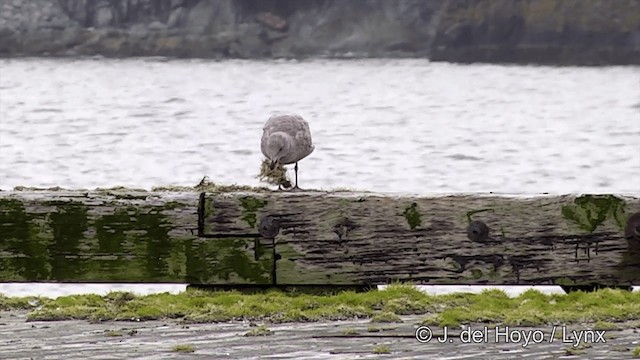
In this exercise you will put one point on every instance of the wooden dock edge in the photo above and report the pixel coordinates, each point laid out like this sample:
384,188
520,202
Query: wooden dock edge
268,238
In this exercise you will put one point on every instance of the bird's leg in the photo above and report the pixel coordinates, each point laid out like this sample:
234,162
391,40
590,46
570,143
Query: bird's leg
296,171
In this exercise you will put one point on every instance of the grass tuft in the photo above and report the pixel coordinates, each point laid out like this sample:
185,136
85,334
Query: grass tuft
386,317
382,349
113,333
350,331
259,331
183,348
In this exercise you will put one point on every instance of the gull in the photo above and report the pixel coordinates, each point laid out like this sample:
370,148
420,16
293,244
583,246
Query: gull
286,139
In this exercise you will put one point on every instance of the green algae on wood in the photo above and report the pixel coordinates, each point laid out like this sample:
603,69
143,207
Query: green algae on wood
89,236
228,261
251,205
102,236
590,211
413,216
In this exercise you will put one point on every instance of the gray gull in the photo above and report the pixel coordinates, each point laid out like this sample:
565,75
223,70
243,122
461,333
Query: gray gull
286,139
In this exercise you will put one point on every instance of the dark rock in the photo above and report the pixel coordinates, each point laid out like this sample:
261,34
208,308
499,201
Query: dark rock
9,43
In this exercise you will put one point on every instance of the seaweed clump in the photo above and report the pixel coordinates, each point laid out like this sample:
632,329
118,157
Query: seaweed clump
276,176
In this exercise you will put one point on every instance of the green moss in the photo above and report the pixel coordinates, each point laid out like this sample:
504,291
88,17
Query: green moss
250,205
27,238
604,325
406,305
563,281
535,309
476,273
413,216
116,233
209,208
228,260
19,303
372,328
636,352
39,243
69,224
590,211
603,307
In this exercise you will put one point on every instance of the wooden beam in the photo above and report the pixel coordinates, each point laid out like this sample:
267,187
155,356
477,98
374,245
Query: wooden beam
346,238
315,238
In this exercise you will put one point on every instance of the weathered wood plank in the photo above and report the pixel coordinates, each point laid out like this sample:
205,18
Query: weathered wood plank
119,236
310,238
345,238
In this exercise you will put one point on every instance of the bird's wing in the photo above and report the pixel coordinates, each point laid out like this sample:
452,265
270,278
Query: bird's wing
263,141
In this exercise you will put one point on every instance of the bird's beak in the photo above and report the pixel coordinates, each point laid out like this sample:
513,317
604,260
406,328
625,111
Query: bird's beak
273,164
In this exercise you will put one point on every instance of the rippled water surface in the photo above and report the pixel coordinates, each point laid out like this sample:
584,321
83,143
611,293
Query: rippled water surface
383,125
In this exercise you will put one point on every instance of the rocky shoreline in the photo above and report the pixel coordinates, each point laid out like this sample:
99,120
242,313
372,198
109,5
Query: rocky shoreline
560,32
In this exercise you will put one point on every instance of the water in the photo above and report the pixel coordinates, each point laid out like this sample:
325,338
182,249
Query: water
405,126
382,125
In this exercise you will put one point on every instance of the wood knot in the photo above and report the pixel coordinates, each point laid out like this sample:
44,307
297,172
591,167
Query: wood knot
477,231
632,230
269,227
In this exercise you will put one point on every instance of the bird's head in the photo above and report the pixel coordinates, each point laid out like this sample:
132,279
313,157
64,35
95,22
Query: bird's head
277,148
